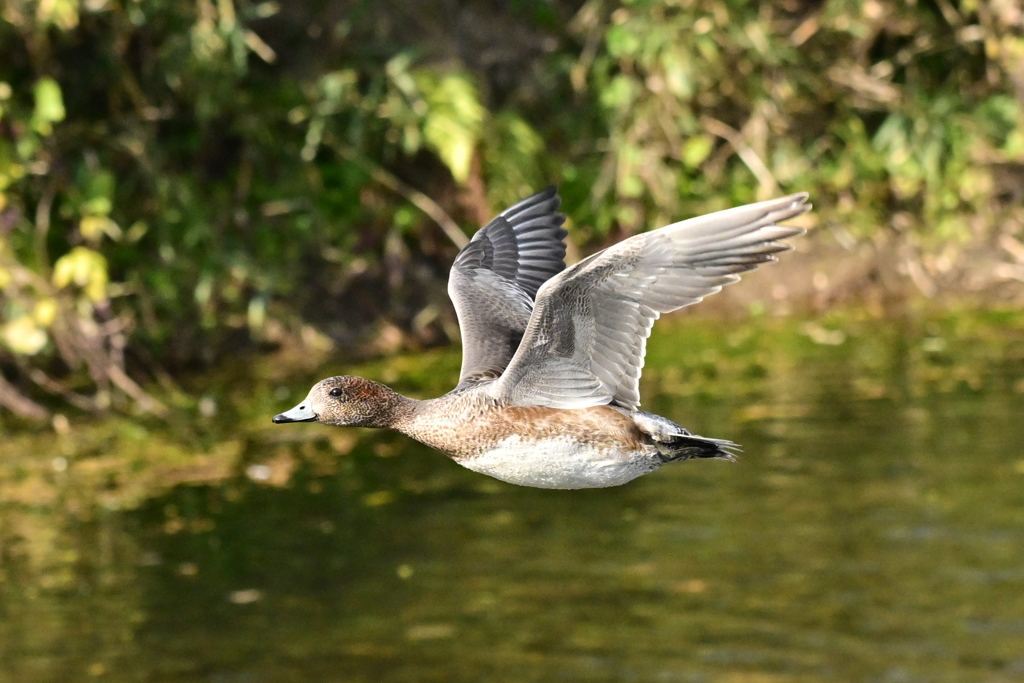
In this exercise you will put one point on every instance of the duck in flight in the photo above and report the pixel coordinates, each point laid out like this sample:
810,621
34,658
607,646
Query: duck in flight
549,394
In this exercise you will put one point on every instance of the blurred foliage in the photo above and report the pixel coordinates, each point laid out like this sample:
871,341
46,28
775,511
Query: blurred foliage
180,180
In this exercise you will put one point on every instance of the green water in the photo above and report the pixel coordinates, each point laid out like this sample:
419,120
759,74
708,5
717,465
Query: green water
872,531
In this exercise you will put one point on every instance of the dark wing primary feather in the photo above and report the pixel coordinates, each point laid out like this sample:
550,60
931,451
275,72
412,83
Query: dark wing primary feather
496,276
585,343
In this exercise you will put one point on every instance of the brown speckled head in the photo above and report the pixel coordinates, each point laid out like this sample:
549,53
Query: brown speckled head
346,401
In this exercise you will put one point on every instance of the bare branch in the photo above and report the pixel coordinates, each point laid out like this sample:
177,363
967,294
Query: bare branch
744,151
17,403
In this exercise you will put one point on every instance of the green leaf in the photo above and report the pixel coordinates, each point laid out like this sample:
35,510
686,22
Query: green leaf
620,93
49,106
512,153
622,41
697,149
631,186
337,88
99,192
454,119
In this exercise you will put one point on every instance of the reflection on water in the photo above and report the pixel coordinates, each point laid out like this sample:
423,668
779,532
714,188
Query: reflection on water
873,530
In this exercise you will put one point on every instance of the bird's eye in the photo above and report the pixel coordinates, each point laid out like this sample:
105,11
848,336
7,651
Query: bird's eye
335,392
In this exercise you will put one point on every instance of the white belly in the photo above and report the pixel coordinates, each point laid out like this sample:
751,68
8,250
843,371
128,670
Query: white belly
561,463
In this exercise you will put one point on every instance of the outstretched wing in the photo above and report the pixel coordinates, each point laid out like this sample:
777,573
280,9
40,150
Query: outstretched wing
495,279
585,343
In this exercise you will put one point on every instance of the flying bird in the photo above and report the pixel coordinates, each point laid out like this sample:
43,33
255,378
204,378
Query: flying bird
549,393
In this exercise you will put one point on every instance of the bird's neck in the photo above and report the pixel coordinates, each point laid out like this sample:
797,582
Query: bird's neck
441,422
394,411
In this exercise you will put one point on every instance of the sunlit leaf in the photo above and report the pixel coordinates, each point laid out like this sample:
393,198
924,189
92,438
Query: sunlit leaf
49,107
622,41
697,149
23,336
620,93
453,121
256,313
93,228
1014,145
45,312
136,231
631,186
512,154
11,172
397,70
85,268
338,87
97,206
61,13
98,189
677,74
207,44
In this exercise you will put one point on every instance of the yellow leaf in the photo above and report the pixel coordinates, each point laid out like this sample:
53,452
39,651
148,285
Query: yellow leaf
45,312
97,206
10,173
378,498
61,13
137,231
23,336
97,288
85,268
94,227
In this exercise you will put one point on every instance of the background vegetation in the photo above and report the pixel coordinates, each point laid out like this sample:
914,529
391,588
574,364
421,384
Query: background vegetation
185,179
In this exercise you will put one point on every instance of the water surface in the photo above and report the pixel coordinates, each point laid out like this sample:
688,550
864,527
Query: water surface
872,531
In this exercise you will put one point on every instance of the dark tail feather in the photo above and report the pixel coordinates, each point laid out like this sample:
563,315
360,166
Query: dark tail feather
693,446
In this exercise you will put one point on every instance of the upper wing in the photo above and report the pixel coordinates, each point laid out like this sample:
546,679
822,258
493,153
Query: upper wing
496,276
588,333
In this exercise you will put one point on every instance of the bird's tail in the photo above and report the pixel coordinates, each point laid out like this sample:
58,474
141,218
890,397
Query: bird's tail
675,442
693,446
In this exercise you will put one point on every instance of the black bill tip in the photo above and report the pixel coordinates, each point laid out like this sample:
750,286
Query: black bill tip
282,419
